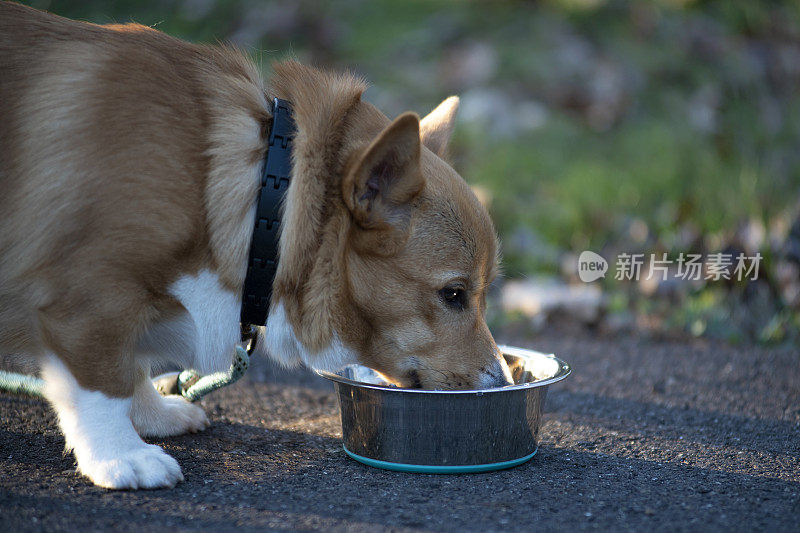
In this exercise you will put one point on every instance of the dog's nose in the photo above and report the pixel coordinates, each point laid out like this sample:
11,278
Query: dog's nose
496,374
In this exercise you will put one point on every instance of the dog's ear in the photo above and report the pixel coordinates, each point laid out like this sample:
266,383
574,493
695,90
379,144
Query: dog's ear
437,127
385,178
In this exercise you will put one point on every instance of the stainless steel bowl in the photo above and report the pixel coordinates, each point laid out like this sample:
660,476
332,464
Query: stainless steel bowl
438,431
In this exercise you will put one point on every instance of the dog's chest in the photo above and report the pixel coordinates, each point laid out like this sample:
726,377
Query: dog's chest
214,313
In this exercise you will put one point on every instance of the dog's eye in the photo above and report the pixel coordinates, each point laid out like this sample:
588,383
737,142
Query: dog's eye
453,297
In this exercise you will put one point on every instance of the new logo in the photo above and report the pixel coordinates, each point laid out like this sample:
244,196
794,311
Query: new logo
591,266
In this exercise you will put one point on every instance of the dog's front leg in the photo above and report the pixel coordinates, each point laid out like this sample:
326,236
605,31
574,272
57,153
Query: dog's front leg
99,430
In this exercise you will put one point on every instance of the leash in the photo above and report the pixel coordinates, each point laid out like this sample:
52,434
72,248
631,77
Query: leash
193,386
20,383
188,383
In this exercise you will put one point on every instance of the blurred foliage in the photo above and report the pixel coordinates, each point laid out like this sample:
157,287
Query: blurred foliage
583,120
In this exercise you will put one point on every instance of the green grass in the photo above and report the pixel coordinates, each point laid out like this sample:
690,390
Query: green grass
572,183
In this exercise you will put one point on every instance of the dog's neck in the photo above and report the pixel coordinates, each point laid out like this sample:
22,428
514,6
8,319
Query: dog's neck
308,284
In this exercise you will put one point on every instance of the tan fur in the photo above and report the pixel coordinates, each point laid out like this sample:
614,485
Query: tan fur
126,161
308,276
120,161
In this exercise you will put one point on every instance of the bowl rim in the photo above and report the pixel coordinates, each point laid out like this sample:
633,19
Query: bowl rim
564,370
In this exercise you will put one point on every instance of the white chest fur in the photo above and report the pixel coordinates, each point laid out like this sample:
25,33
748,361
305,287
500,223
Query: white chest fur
214,312
280,342
213,324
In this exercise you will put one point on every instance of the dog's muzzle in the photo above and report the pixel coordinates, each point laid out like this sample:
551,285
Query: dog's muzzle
496,374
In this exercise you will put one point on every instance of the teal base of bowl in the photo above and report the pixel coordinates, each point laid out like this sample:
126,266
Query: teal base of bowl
433,469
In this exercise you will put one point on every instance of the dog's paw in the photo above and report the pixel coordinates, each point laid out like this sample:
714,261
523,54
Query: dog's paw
144,467
182,416
166,416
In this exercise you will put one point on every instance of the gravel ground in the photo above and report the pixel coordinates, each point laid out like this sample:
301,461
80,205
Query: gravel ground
645,435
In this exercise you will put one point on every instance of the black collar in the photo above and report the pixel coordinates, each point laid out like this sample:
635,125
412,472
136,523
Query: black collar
275,178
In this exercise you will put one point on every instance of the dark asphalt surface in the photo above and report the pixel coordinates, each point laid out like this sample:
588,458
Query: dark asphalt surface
645,435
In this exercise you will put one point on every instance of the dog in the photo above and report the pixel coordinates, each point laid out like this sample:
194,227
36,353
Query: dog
129,168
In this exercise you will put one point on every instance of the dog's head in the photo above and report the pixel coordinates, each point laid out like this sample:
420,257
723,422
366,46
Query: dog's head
421,253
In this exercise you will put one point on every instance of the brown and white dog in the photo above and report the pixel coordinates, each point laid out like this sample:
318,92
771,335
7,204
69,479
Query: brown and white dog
129,168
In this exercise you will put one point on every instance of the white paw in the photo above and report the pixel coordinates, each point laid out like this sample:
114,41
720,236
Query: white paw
165,416
99,430
145,467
